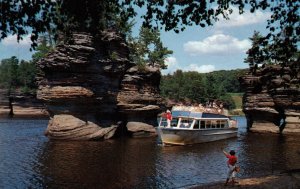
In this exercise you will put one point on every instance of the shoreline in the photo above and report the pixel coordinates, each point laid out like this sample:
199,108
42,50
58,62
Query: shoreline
286,180
24,113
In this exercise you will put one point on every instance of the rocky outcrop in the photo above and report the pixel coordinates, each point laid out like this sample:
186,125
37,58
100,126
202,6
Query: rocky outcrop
91,79
271,102
20,105
139,99
68,127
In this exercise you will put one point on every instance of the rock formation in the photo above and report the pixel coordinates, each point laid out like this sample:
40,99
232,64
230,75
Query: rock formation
271,102
19,105
91,83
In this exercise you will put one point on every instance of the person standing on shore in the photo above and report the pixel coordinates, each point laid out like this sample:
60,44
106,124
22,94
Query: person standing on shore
231,163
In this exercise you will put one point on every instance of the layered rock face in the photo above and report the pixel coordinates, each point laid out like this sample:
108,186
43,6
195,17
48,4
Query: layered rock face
84,82
271,102
139,100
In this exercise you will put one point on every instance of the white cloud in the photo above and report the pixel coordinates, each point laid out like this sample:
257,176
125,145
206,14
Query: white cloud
218,44
171,61
173,65
11,41
247,18
200,69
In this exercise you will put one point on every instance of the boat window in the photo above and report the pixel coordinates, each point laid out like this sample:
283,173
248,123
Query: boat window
213,124
222,123
174,122
202,124
163,122
208,124
185,123
218,124
197,124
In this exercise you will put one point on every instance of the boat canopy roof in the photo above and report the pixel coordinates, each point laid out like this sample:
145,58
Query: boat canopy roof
190,114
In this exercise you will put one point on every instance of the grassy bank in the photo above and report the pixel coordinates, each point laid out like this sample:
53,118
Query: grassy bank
238,101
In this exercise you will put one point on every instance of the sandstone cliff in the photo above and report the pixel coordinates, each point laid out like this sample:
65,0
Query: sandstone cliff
91,83
271,102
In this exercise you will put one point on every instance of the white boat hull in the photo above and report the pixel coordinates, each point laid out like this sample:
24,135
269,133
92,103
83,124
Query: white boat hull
178,136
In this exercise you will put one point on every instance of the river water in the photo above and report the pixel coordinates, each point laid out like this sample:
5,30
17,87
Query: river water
29,160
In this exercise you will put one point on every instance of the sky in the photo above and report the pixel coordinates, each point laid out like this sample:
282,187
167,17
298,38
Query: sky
222,46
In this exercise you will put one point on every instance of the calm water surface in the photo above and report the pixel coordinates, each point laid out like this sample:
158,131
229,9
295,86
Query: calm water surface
29,160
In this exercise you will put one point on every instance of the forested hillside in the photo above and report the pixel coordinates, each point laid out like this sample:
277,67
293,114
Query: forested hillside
18,76
194,87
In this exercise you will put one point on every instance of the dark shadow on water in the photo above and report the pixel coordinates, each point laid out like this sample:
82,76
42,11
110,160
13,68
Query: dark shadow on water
110,164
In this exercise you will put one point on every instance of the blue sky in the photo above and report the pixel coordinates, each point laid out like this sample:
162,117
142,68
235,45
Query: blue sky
218,47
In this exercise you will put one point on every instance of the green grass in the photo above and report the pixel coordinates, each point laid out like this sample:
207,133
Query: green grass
238,99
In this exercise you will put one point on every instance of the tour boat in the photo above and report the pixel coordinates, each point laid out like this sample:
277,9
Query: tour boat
191,127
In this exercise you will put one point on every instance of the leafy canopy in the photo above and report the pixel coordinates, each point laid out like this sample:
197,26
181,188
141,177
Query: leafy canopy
148,48
39,16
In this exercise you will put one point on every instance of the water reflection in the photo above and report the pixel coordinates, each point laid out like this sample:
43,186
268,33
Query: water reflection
30,160
110,164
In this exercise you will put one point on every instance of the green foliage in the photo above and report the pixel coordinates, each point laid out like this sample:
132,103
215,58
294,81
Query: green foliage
237,98
147,48
36,17
113,56
20,75
15,74
27,73
201,87
44,47
265,50
257,53
9,73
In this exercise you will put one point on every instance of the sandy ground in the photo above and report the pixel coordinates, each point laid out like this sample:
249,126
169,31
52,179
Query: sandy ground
280,181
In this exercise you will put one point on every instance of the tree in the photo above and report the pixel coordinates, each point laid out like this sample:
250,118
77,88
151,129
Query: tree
9,73
15,74
280,50
26,77
60,16
44,46
147,48
257,53
201,87
39,16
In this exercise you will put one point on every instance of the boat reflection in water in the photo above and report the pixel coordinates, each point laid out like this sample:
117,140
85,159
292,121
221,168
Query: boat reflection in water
191,127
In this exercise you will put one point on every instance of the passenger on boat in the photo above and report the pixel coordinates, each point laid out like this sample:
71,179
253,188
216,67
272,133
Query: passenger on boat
169,118
184,125
231,163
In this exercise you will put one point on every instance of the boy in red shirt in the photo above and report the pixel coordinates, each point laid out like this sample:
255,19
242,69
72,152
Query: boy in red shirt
232,159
